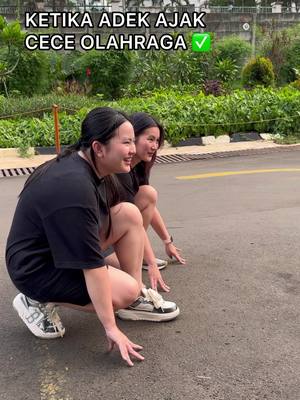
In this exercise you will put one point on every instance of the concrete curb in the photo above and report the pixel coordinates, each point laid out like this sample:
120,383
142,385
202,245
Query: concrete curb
14,152
10,159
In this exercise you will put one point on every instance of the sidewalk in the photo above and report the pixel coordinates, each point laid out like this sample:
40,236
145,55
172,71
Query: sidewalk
10,159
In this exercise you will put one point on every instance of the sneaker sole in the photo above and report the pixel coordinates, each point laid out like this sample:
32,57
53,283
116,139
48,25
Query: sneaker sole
17,305
131,315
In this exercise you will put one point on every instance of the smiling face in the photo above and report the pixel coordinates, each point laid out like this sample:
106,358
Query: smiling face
147,144
116,155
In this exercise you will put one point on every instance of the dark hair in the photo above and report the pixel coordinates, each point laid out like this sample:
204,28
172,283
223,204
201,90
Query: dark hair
100,124
140,122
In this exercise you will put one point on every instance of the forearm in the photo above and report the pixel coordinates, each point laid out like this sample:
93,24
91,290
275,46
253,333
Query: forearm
159,226
99,289
149,255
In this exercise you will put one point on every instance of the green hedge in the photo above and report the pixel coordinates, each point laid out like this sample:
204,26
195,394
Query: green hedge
12,107
261,110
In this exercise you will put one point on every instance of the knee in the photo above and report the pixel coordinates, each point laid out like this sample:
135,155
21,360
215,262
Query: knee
131,214
149,193
132,293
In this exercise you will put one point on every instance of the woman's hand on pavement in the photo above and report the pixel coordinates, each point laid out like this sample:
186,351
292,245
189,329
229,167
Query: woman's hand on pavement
173,251
156,278
126,347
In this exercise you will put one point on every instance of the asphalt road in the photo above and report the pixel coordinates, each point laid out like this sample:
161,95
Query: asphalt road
237,337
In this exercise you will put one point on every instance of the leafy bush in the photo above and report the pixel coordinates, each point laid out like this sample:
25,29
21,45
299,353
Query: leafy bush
162,69
226,70
106,71
296,84
258,71
282,47
273,46
12,107
11,45
292,60
31,74
233,48
213,87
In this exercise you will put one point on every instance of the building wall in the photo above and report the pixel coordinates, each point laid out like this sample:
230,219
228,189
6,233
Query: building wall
221,24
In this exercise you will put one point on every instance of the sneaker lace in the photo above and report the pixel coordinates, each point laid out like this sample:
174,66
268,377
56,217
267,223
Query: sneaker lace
52,316
154,297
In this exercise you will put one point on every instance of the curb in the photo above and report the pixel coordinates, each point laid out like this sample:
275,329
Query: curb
176,158
192,141
14,152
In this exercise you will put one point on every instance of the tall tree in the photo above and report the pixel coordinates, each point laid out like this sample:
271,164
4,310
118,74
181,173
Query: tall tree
11,45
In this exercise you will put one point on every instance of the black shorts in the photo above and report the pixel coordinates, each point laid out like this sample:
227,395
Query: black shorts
55,285
67,286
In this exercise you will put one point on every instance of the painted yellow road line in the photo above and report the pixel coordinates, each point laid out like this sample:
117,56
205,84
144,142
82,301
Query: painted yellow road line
230,173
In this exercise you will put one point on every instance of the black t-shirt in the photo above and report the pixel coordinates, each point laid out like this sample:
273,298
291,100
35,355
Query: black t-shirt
56,224
130,182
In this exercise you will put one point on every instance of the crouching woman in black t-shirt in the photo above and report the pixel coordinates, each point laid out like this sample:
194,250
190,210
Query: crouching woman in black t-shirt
149,136
54,255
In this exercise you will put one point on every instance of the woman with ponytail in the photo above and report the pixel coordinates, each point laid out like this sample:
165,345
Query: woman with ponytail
149,136
62,227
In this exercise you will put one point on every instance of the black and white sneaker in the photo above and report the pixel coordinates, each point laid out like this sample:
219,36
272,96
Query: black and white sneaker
150,307
41,319
161,264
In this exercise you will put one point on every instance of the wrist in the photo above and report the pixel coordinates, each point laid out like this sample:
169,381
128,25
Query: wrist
151,264
168,241
110,327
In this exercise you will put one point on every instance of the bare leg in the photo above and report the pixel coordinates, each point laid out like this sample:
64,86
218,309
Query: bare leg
124,290
145,200
127,236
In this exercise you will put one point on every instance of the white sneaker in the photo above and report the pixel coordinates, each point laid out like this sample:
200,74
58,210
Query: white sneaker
150,307
41,319
160,263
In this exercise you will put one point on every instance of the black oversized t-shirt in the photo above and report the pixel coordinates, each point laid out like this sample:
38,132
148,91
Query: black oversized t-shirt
130,182
56,224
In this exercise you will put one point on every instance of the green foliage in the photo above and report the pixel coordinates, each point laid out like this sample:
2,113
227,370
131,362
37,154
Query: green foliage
296,84
12,107
11,34
68,64
292,60
226,70
164,69
289,139
183,115
283,49
23,150
233,48
11,40
258,71
109,71
24,133
31,74
3,23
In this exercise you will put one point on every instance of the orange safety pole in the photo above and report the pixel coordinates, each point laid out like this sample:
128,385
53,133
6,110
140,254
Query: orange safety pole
56,128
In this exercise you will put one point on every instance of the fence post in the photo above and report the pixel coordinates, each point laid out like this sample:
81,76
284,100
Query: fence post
56,128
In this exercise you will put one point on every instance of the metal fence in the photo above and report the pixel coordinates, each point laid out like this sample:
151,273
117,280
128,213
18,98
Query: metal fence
19,11
244,10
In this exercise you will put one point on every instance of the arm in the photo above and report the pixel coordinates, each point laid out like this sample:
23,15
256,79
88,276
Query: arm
159,227
99,289
153,271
